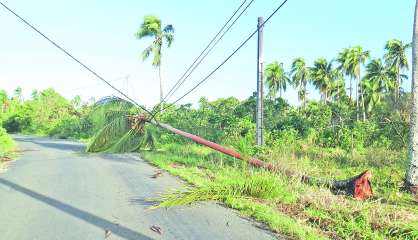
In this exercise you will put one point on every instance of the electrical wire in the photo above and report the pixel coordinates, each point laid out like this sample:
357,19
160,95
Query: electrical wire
214,45
92,85
204,50
226,60
75,59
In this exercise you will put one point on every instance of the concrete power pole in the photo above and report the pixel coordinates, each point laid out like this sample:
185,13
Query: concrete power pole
260,97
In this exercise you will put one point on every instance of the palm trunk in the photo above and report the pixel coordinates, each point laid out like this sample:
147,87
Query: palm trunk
362,98
161,88
351,89
304,96
412,170
357,105
326,96
398,84
300,98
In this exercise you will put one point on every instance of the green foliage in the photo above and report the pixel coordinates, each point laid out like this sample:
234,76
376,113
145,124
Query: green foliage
276,79
286,205
120,129
47,113
6,145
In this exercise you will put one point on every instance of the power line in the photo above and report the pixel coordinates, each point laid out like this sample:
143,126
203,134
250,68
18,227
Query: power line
93,85
213,46
74,58
176,85
229,57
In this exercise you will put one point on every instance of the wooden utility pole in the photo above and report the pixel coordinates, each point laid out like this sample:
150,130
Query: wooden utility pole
260,97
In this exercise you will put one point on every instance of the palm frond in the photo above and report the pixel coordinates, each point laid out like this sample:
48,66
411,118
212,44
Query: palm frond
109,134
145,54
129,142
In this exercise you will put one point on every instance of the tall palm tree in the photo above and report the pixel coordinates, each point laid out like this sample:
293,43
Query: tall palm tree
300,77
276,79
152,27
343,60
412,170
323,75
395,57
354,58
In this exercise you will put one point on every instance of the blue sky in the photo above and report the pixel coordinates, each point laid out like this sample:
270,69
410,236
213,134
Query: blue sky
100,33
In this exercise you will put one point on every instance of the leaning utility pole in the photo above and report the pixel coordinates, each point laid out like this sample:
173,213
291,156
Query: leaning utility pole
260,107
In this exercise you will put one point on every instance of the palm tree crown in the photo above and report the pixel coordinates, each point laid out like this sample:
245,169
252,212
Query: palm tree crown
396,58
377,72
323,75
276,79
152,27
300,76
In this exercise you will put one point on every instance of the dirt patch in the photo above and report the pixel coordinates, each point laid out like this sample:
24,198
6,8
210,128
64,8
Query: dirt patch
297,211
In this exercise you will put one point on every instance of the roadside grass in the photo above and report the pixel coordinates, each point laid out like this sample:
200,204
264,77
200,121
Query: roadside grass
7,147
288,206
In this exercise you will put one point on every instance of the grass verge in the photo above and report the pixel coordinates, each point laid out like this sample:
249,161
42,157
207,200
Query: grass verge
7,148
284,204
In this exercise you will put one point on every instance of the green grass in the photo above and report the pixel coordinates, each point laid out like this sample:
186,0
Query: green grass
288,206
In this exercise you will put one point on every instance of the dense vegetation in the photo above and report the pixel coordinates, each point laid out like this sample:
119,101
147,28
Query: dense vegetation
339,136
46,113
7,146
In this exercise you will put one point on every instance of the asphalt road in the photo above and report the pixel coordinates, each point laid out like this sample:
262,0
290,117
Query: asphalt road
54,191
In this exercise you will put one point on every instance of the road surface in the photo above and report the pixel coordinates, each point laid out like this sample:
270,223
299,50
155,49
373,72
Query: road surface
55,191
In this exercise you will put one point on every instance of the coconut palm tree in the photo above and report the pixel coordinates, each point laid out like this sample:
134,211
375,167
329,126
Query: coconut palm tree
343,60
337,88
351,61
412,170
395,57
377,72
373,92
120,128
152,27
323,74
300,77
276,79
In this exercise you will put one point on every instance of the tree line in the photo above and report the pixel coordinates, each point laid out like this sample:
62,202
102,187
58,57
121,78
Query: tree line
383,77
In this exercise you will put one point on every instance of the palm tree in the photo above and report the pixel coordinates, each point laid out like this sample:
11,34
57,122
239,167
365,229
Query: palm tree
337,88
17,94
120,127
396,58
276,79
373,93
351,60
343,60
323,75
377,72
152,27
4,99
412,170
300,76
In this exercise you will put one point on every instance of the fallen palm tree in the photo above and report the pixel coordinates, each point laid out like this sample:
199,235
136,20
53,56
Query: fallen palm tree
125,130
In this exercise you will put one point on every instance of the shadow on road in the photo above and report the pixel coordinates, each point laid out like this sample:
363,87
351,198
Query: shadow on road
119,230
56,144
63,145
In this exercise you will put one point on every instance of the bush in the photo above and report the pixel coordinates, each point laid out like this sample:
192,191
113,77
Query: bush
66,128
16,123
6,143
